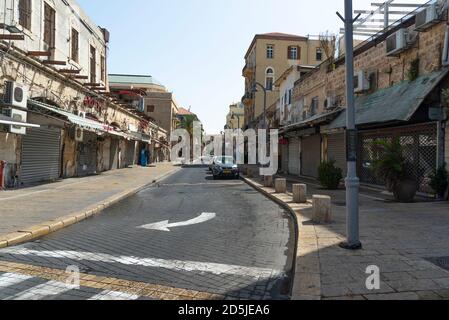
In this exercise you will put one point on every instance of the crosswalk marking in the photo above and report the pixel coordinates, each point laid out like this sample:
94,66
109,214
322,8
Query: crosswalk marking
114,295
177,265
39,292
11,279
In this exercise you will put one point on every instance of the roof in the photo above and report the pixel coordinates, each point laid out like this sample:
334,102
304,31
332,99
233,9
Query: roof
133,79
185,112
312,121
275,36
396,103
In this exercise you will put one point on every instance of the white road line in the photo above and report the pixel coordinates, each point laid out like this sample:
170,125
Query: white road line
177,265
50,288
165,225
11,279
114,295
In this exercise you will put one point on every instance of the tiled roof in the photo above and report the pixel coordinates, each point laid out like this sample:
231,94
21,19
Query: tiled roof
184,112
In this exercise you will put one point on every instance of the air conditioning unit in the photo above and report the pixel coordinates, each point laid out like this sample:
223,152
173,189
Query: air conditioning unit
79,134
426,18
361,82
400,41
16,94
17,115
330,102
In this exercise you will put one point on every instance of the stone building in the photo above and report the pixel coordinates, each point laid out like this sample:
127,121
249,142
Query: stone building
268,56
57,118
235,119
399,78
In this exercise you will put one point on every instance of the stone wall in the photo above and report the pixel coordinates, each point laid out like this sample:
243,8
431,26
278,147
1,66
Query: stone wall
385,71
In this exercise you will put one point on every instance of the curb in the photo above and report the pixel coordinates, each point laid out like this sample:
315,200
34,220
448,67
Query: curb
38,231
306,272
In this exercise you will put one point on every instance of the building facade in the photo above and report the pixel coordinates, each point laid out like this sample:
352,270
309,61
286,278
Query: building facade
399,94
268,56
57,119
235,119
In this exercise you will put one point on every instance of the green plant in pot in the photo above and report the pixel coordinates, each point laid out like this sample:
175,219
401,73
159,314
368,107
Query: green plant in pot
391,167
439,182
329,175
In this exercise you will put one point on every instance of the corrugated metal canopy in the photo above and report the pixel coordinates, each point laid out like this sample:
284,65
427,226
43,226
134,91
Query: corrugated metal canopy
396,103
80,121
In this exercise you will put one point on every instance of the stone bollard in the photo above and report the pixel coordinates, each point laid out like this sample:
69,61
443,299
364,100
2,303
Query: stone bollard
322,209
280,185
299,193
268,181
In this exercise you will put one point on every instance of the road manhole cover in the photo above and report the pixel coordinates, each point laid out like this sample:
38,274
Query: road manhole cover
442,262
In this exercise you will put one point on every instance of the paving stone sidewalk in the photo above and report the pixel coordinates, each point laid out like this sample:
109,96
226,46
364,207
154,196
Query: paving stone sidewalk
405,241
27,207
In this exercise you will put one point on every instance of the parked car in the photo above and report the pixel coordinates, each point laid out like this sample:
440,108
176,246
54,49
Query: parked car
225,167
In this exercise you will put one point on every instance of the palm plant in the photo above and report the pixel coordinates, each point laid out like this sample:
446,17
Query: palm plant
391,165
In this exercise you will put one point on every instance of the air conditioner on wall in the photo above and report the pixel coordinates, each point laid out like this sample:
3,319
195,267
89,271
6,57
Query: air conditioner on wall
16,94
17,115
400,41
426,18
361,82
330,102
79,134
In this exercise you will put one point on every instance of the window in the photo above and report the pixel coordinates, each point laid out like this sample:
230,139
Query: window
269,79
103,68
290,96
49,26
75,45
319,54
293,53
150,108
25,13
270,51
93,64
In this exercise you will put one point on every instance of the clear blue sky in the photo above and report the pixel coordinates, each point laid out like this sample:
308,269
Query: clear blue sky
196,47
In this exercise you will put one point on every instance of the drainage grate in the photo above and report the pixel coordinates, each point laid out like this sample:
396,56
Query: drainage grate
442,262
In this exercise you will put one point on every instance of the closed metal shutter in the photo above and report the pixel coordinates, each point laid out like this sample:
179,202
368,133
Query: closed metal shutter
87,154
284,158
41,155
294,156
130,153
114,162
336,150
311,155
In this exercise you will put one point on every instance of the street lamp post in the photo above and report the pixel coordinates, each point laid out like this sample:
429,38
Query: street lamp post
264,102
352,182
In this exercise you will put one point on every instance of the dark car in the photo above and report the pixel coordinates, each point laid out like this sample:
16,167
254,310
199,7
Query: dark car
225,167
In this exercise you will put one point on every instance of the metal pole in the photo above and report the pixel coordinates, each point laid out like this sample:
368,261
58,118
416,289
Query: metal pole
352,182
386,15
265,108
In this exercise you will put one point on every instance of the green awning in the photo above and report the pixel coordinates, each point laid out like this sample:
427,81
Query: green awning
396,103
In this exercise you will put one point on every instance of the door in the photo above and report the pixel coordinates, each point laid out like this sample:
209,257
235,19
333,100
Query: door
294,156
311,155
336,150
41,155
114,154
87,155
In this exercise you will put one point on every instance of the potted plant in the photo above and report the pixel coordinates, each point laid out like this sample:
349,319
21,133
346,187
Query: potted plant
391,167
439,182
329,175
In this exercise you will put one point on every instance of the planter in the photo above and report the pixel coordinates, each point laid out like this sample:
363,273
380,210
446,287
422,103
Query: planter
405,191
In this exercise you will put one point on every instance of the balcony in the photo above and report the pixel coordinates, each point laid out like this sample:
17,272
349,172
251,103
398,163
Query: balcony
248,71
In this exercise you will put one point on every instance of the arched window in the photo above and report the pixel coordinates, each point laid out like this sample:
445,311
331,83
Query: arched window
269,79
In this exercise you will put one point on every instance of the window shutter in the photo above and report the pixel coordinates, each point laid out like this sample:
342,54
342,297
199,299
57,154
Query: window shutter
289,49
299,53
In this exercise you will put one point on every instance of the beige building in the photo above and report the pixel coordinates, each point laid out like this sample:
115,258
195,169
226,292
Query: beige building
236,116
267,58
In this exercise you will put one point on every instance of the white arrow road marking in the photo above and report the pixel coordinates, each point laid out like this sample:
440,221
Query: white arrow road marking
177,265
165,225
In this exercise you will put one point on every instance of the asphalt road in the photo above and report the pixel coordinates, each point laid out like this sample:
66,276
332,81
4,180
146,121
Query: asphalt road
218,237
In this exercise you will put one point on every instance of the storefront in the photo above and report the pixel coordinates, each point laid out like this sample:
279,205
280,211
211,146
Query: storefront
294,156
336,150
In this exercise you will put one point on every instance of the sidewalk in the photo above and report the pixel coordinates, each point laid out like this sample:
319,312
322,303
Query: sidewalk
406,242
29,213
